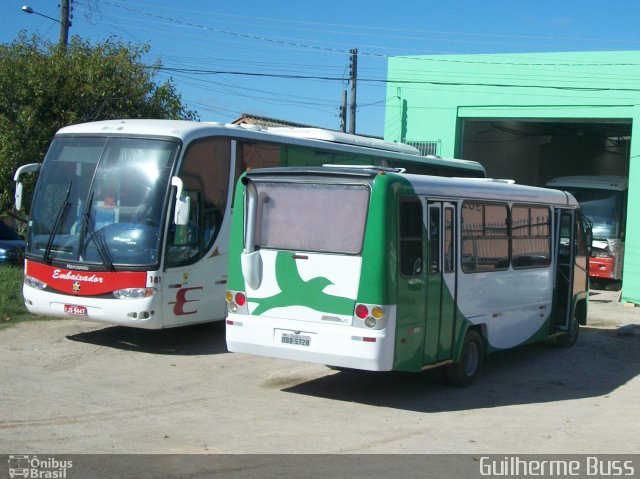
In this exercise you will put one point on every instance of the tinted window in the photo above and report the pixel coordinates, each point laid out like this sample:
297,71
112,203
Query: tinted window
7,233
531,238
205,176
411,226
485,239
311,216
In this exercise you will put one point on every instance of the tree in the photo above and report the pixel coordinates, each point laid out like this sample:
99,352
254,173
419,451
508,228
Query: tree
44,87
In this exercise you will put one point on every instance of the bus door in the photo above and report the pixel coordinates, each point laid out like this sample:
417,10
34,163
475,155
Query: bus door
565,251
195,276
411,310
440,272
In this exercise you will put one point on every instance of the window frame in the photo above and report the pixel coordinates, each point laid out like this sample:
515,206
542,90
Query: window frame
484,237
530,236
403,240
257,237
197,203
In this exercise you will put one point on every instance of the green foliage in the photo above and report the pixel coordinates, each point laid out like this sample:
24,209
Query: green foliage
12,308
44,87
11,305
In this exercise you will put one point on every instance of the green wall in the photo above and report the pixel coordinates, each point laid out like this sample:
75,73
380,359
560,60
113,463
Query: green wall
429,96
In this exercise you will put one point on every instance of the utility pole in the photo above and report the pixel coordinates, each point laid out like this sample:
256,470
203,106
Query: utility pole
353,79
65,22
343,112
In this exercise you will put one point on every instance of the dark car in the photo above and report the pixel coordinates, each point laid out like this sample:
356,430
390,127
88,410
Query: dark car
11,246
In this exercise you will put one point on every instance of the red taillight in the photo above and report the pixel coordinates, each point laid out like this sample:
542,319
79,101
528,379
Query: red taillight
240,299
362,311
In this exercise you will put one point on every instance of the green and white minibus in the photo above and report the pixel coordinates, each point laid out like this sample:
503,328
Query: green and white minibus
375,269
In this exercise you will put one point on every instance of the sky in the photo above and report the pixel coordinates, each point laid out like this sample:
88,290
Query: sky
290,60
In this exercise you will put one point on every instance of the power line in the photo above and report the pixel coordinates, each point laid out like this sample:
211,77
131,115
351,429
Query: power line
396,80
194,71
357,28
227,32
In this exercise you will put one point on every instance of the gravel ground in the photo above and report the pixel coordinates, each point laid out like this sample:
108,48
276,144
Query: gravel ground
78,387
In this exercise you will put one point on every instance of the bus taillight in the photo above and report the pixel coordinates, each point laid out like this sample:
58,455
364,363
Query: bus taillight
362,311
369,314
236,301
241,299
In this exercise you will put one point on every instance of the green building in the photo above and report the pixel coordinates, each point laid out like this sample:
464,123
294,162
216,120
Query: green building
528,117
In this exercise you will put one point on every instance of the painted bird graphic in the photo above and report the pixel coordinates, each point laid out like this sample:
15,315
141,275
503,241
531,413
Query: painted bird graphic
296,291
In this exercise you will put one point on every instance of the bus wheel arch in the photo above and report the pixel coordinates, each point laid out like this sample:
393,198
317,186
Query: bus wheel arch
464,371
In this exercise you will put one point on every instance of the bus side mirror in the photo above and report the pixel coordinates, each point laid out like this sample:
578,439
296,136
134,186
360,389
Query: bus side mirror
18,196
588,232
30,168
183,204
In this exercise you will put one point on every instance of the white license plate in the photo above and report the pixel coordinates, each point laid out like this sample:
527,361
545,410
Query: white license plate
75,310
295,339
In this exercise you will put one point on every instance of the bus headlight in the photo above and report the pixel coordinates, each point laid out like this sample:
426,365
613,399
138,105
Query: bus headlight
134,293
34,283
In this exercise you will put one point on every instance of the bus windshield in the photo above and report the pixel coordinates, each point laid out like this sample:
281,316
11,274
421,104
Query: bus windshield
311,217
603,208
99,201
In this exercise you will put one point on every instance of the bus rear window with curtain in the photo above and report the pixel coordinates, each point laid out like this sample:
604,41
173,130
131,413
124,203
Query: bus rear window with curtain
328,218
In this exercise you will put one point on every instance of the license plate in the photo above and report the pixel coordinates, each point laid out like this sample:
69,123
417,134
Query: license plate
75,310
296,339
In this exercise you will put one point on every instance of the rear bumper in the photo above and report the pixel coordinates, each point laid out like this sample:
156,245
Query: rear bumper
330,344
602,268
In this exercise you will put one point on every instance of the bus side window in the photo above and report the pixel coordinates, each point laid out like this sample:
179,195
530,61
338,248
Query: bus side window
434,240
531,236
410,232
485,238
205,174
448,241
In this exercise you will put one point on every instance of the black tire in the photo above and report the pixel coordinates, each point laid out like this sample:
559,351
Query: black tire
568,339
464,372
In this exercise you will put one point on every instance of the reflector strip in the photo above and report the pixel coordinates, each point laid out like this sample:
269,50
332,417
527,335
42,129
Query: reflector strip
365,339
234,323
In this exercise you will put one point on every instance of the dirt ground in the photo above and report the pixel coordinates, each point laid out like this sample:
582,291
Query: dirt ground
77,387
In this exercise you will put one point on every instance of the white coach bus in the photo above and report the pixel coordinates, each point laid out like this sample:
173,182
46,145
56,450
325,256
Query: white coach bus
129,221
375,269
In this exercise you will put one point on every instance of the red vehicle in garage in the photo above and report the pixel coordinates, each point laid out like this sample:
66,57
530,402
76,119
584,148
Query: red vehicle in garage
604,201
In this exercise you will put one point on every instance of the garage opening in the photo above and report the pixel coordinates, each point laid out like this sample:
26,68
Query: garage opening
534,151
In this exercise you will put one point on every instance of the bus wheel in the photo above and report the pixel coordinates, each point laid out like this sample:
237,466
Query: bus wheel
568,339
464,372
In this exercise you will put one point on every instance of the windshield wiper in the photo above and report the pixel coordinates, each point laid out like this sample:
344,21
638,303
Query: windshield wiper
62,213
98,239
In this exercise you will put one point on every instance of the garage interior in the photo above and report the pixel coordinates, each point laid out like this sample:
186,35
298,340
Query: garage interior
533,151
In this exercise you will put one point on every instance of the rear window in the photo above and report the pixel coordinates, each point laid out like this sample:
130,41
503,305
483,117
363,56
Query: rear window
311,216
